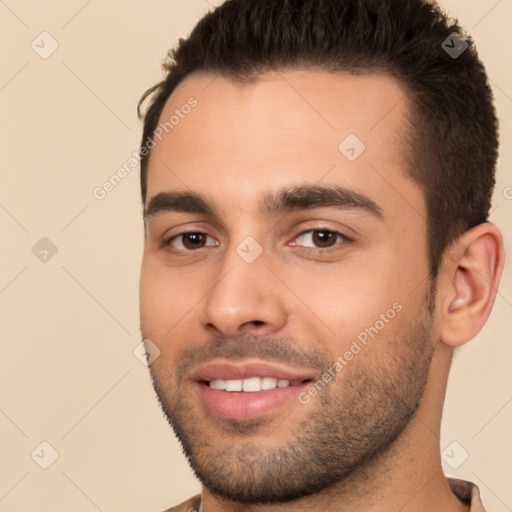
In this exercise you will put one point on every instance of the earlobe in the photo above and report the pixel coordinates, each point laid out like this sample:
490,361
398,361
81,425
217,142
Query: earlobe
470,283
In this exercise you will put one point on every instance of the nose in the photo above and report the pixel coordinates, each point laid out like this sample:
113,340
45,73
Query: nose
244,298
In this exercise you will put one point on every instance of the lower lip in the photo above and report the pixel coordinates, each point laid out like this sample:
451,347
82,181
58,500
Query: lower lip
245,406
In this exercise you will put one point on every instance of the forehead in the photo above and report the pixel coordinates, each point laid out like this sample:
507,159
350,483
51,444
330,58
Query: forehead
302,126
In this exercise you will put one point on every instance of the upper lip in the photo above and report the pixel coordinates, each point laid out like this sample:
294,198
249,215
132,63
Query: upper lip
230,370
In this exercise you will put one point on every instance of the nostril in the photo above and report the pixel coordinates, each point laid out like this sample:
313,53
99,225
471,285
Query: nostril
258,322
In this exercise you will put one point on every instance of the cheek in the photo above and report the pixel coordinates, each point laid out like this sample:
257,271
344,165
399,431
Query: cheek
163,307
346,300
358,308
165,298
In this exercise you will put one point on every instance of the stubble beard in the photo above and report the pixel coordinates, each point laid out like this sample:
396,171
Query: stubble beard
351,423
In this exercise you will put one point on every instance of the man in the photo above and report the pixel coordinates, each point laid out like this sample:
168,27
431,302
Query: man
316,180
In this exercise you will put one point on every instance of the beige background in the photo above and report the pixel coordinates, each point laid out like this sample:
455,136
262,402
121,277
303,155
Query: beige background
68,373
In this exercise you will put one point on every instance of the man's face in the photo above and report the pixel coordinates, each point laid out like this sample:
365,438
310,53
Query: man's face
272,281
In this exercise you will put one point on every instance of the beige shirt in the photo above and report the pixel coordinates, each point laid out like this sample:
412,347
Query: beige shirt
467,492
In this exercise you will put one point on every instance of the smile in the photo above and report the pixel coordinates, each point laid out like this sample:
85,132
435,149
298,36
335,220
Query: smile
248,389
251,385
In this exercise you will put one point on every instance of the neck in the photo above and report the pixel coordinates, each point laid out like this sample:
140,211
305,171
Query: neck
404,479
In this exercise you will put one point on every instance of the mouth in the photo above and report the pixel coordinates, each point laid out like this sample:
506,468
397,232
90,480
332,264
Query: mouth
252,384
249,389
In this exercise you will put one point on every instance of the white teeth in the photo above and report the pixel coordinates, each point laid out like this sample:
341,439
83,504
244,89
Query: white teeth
218,384
250,385
268,383
233,385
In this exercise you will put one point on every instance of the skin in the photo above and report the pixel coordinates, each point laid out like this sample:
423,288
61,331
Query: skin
238,144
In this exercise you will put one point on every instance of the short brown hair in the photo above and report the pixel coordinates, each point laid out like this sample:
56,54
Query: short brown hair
454,144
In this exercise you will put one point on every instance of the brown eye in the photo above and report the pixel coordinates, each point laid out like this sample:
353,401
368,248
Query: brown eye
190,241
324,238
320,238
193,240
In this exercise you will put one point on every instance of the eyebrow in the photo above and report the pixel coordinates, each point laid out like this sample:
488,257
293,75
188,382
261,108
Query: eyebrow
187,202
315,196
305,197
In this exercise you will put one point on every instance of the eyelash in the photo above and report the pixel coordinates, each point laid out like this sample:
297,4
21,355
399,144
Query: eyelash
167,243
345,239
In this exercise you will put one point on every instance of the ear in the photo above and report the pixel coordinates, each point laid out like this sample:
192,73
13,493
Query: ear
471,273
